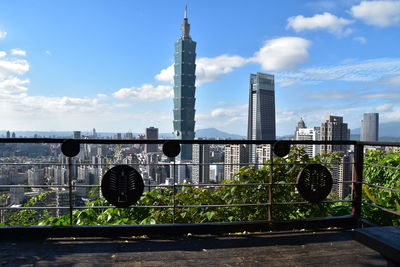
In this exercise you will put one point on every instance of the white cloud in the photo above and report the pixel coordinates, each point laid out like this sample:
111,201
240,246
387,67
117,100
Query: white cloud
393,80
3,34
145,92
166,75
211,69
3,54
387,94
385,107
282,53
360,39
207,69
13,85
18,52
325,21
48,52
18,66
232,112
364,71
378,13
276,54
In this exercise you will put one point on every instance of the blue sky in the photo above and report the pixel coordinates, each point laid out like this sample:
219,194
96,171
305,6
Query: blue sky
78,65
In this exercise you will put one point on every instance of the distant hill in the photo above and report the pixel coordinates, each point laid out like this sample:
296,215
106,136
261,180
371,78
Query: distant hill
215,133
386,129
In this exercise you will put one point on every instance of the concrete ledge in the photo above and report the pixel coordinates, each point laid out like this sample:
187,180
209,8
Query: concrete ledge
385,240
42,232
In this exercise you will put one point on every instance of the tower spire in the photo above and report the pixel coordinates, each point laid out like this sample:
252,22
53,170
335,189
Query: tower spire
185,12
185,26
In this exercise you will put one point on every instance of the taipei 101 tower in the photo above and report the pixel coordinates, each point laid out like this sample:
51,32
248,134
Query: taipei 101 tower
184,89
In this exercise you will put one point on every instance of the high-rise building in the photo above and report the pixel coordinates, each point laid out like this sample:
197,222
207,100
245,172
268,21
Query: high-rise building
201,166
128,135
236,156
334,129
8,135
261,115
370,127
304,133
345,175
184,89
263,154
151,133
77,134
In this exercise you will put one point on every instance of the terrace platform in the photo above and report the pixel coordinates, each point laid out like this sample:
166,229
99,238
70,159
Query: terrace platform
300,248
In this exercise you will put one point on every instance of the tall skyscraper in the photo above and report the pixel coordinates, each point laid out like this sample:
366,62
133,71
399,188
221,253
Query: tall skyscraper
370,127
184,89
151,133
236,156
261,119
201,164
334,129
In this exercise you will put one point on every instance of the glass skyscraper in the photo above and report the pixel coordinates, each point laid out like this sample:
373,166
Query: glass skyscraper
370,127
184,89
261,119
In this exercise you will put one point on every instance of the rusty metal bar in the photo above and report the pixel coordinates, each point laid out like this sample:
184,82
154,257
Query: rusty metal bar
382,187
357,180
271,167
381,208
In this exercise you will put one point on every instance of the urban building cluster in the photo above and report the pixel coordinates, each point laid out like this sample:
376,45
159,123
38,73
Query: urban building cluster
45,169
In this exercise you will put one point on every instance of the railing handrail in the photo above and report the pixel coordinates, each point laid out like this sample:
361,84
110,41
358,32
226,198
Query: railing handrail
357,171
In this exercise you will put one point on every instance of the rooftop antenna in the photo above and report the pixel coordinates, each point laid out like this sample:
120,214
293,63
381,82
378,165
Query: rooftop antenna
185,12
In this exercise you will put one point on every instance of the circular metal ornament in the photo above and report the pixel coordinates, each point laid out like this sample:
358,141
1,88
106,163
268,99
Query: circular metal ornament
122,186
281,148
314,183
70,148
171,148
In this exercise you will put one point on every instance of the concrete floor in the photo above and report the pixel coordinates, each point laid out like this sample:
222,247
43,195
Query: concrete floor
263,249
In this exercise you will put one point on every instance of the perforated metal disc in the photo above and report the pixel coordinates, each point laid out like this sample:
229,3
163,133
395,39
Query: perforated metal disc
70,148
171,148
281,148
122,186
314,183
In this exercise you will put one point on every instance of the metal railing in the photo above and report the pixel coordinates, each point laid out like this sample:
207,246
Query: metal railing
268,185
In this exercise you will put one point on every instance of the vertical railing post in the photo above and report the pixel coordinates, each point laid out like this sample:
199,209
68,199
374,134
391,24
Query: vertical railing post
357,180
271,167
70,188
174,211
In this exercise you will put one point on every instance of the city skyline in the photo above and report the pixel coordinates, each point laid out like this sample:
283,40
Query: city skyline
68,64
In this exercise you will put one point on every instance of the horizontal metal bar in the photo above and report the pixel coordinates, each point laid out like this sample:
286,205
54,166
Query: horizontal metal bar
178,206
113,207
33,208
382,166
382,187
381,208
161,141
369,143
33,186
308,203
164,185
